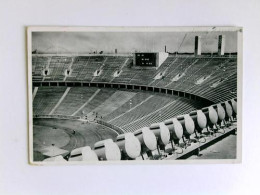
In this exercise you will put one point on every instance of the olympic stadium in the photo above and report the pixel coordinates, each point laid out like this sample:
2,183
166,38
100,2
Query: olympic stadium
141,105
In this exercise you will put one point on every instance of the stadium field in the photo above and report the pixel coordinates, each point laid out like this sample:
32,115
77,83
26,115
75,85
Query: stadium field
46,132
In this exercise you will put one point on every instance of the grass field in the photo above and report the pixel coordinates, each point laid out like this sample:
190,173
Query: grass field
59,132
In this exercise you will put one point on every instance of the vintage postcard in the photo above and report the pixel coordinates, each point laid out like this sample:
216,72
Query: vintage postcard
134,95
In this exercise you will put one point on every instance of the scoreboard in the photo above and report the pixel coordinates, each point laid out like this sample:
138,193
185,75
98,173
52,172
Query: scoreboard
145,59
149,59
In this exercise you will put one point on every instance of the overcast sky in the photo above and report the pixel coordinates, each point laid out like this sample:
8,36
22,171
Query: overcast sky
125,42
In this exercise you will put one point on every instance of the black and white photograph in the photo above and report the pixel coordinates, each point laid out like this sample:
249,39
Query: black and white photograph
134,94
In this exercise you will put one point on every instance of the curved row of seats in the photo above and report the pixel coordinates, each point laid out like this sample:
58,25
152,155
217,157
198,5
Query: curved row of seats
147,139
129,110
174,108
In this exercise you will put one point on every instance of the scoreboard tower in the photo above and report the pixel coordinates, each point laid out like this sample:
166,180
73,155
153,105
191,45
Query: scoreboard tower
149,59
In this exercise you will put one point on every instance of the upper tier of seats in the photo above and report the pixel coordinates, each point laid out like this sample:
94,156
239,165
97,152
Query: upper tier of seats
213,78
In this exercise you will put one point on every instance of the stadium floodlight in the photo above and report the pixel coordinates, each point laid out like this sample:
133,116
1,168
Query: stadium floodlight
212,117
129,145
83,154
229,110
107,150
234,105
176,131
200,121
188,127
147,140
162,134
221,113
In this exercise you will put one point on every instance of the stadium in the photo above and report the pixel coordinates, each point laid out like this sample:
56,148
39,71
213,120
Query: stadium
140,105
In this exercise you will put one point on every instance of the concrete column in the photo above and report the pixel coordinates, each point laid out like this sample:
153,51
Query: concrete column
221,45
134,59
197,51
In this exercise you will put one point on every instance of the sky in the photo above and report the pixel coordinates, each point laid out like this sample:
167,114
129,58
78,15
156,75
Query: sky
127,42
